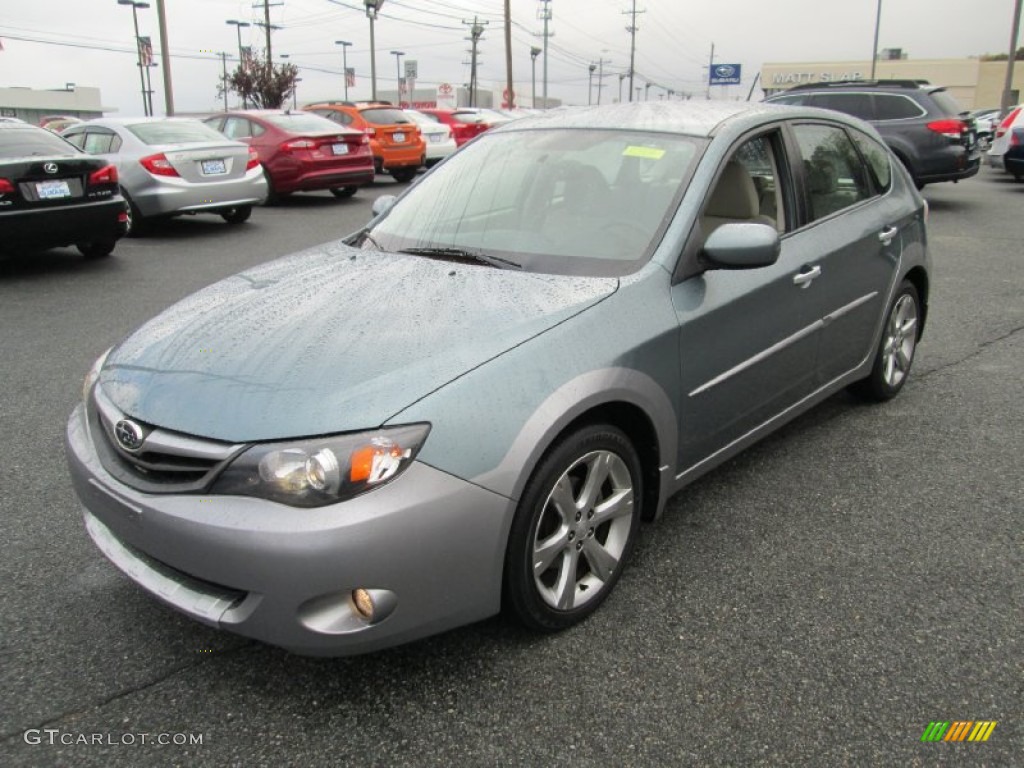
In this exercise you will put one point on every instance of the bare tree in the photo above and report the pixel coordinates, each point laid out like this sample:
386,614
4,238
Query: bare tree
262,85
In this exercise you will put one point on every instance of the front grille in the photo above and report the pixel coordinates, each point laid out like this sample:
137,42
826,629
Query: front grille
166,462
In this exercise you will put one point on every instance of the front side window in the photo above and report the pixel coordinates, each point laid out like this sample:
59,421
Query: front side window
583,202
834,175
748,188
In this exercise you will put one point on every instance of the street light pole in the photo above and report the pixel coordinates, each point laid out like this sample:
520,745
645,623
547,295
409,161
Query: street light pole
138,50
590,83
874,50
344,62
534,53
372,8
398,70
547,18
241,56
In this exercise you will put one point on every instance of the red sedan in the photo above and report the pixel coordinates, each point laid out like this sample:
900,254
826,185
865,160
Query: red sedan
300,151
466,124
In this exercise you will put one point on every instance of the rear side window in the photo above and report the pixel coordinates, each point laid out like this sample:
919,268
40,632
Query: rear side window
101,142
856,104
891,106
877,157
834,175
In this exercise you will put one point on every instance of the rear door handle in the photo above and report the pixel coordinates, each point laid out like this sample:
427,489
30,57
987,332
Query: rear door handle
804,277
887,234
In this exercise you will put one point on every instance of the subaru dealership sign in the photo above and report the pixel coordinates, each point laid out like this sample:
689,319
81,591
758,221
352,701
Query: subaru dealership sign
725,74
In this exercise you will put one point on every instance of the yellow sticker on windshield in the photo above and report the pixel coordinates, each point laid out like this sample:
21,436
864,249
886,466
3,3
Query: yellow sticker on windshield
647,153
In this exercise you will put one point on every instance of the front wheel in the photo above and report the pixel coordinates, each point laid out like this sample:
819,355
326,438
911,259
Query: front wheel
896,349
237,215
574,529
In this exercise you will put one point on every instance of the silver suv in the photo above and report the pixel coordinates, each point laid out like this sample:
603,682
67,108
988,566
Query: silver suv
922,124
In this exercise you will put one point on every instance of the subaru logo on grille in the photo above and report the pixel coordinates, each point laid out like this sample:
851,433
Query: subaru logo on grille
129,435
50,167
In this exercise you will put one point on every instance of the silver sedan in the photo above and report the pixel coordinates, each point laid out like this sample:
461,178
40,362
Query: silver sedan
174,166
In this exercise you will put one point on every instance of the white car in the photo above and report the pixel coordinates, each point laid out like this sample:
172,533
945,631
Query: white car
438,136
1001,142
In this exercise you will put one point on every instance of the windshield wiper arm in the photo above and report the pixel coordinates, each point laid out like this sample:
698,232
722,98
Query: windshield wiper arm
461,254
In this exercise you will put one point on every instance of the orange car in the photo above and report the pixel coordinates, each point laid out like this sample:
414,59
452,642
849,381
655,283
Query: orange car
395,140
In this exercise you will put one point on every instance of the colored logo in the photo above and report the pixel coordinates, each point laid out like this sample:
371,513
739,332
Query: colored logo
960,730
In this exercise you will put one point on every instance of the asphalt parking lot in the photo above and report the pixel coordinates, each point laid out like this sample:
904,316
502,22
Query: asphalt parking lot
819,600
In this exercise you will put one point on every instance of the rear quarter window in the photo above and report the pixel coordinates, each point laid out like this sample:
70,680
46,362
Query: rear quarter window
877,157
891,106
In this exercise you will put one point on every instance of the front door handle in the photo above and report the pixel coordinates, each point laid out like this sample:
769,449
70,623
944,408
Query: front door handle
887,234
804,277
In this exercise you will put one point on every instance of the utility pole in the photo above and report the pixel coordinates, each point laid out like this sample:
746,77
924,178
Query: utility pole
545,14
711,63
508,55
267,27
600,76
632,29
224,76
590,83
621,78
165,57
241,52
476,31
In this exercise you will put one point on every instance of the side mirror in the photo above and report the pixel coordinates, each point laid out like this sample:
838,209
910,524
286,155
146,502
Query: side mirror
741,246
382,205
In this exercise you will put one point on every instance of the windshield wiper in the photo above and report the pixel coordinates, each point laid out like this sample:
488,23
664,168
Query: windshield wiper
460,254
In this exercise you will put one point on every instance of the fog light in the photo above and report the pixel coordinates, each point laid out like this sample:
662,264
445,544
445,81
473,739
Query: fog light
363,602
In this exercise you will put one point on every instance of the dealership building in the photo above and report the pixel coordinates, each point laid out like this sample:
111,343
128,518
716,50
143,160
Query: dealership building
32,105
974,83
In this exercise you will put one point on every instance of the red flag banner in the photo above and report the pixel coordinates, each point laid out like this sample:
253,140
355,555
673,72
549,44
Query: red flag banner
146,51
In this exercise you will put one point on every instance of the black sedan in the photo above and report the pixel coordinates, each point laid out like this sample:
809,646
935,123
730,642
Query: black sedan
52,194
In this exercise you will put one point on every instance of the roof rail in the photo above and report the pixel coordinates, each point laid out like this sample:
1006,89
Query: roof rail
873,83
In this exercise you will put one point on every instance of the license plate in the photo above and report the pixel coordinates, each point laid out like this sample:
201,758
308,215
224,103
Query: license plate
399,137
213,167
435,138
340,149
52,190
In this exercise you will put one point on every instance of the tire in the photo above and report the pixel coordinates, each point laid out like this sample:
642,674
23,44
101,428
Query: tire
344,192
97,250
273,196
237,215
403,175
585,556
138,225
896,348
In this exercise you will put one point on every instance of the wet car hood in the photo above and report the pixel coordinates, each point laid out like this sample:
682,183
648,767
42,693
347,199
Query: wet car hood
329,340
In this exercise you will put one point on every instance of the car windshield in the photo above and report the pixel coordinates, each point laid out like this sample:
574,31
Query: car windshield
581,202
174,132
303,122
385,116
24,142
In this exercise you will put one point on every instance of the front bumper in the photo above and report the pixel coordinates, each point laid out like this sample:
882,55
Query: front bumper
432,544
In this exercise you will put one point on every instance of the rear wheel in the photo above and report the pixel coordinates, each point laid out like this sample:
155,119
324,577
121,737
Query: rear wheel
137,225
237,215
344,192
574,529
403,175
896,349
96,250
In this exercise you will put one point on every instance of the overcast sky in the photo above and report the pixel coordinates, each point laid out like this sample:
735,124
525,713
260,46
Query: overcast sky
673,42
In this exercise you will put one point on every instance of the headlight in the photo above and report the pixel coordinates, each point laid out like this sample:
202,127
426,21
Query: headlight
93,374
312,473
